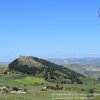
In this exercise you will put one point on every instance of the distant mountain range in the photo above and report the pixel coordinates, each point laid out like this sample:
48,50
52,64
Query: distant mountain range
87,66
4,63
83,61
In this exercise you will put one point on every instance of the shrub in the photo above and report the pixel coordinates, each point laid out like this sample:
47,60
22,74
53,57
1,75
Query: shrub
91,91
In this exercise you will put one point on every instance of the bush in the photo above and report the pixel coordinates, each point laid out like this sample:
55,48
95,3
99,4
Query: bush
90,94
36,83
67,88
91,91
82,89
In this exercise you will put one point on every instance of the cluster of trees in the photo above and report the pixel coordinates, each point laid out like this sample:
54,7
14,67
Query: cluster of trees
72,75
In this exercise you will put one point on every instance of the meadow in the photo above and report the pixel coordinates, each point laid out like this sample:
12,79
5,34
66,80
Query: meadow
34,86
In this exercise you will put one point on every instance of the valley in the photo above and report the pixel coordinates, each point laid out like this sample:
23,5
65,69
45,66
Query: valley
87,66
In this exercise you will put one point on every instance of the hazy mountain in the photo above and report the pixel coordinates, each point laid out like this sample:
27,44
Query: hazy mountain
87,66
85,60
4,63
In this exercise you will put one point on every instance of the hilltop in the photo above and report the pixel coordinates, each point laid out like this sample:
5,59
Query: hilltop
45,69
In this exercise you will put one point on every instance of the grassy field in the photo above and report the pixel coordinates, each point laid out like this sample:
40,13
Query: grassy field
2,69
35,85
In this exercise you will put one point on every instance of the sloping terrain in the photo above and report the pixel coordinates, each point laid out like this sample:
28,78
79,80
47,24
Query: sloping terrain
87,66
91,70
45,69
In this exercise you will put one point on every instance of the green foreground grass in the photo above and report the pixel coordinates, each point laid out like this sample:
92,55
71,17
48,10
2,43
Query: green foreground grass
34,86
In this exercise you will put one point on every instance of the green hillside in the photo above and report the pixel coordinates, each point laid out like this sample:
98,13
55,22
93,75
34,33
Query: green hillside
45,69
2,69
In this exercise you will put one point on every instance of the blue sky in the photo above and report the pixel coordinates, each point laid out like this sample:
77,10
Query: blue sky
49,28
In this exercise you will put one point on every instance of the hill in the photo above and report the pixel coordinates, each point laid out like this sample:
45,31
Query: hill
45,69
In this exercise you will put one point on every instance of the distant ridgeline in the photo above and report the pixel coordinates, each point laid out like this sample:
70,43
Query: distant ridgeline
45,69
4,63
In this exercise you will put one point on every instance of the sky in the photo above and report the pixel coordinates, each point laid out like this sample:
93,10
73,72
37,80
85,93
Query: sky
49,28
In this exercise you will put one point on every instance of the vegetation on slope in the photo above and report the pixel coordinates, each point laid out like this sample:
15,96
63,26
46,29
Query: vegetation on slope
34,87
45,69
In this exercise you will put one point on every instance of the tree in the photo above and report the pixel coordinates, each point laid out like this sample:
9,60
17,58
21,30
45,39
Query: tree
46,76
90,94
